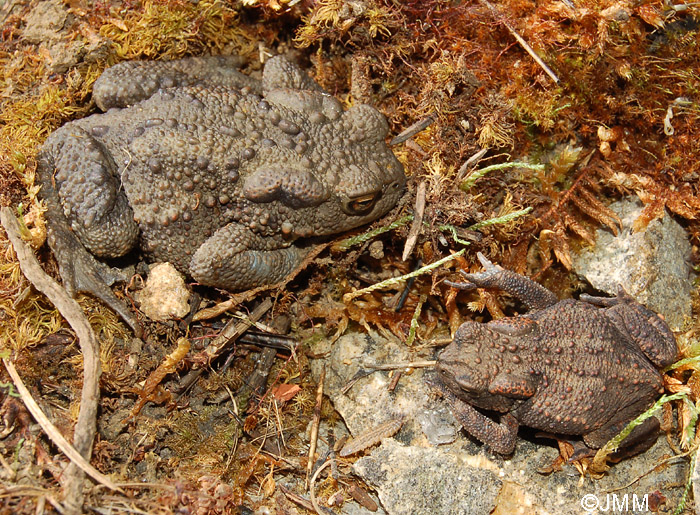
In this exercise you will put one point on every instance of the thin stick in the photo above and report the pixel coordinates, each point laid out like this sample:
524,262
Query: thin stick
86,424
314,426
52,431
522,42
295,497
245,296
233,329
413,129
417,225
26,491
469,162
312,488
409,364
280,426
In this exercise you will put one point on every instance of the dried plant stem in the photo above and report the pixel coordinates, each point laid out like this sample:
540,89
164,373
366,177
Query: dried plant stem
230,333
32,491
312,488
417,225
471,179
52,431
315,425
406,365
245,296
86,425
397,280
522,42
345,244
475,158
298,499
413,129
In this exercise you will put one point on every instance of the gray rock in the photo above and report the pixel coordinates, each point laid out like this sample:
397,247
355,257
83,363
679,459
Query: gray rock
369,402
413,480
50,25
45,22
652,265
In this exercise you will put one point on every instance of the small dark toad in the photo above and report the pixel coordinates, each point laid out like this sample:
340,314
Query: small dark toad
572,367
211,170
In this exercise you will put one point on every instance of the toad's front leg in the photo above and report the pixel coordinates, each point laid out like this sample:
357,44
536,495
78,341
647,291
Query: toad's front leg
130,82
499,437
86,209
533,295
235,258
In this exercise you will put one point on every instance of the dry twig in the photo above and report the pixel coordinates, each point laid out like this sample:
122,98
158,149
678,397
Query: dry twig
417,225
245,296
315,425
404,366
413,129
522,42
231,332
86,425
312,487
52,431
298,499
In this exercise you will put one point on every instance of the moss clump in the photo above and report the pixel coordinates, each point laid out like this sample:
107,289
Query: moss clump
175,28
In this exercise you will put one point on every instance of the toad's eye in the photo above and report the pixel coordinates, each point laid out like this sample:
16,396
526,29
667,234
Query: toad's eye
360,205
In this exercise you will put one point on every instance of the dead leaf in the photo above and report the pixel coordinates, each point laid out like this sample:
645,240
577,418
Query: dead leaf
285,392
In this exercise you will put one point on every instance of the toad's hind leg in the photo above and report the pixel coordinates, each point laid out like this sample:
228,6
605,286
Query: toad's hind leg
643,326
533,295
130,82
88,191
77,182
235,258
640,439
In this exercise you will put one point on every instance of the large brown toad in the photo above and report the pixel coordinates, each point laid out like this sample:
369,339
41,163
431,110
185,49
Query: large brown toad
211,170
567,367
